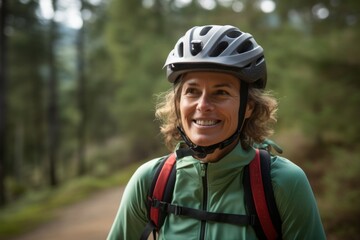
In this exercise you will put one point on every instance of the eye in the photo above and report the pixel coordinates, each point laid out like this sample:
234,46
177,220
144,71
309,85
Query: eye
222,92
191,91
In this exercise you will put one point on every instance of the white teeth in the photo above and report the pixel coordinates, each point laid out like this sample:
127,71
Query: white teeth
205,122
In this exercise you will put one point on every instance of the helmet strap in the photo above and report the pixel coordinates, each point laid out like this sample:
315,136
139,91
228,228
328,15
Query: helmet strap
203,151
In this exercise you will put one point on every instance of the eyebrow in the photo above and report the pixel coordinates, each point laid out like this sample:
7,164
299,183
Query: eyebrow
224,85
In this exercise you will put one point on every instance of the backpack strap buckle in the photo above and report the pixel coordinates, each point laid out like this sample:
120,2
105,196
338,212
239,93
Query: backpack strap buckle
174,209
166,207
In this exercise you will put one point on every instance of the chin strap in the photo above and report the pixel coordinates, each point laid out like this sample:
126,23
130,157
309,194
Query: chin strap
203,151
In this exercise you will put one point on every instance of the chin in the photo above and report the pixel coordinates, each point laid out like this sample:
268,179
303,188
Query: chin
204,142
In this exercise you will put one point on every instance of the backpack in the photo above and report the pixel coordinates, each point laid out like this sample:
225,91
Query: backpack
262,212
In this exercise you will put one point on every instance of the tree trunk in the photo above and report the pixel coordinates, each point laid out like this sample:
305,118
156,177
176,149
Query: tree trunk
53,111
3,13
81,98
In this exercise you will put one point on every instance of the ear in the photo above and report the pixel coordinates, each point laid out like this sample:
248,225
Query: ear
249,109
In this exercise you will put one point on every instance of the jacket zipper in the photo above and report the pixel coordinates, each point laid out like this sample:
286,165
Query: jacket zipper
205,196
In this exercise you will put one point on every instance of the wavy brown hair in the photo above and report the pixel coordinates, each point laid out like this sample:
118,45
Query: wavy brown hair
256,128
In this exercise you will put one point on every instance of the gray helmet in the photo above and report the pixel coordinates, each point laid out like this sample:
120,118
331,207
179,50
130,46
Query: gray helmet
221,49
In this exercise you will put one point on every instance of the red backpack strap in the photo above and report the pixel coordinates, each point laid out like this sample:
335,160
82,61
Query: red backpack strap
258,190
160,190
160,185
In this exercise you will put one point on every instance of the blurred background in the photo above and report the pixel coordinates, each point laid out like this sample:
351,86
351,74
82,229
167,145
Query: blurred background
78,85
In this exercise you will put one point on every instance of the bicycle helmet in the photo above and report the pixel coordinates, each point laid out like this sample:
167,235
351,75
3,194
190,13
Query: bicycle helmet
220,49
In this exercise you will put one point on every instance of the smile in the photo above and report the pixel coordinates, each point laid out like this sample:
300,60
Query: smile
206,122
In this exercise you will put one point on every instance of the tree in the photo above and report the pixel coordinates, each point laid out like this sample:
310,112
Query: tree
25,114
81,97
53,110
3,106
137,49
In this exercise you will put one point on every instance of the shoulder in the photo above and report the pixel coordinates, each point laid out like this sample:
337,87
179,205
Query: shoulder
139,184
295,201
286,173
145,172
291,186
132,215
289,181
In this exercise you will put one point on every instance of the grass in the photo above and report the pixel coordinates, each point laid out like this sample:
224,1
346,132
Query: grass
38,207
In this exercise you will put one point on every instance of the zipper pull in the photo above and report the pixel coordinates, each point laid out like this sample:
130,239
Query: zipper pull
203,169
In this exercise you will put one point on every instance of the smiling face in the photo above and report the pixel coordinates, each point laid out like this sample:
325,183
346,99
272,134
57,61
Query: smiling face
209,106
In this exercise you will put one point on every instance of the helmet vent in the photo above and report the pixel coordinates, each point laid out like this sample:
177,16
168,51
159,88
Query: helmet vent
205,30
196,47
181,49
234,34
219,49
245,47
259,60
248,65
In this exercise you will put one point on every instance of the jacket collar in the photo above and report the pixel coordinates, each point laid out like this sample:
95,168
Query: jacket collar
230,165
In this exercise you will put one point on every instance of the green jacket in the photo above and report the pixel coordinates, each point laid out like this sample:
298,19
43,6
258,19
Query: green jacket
294,197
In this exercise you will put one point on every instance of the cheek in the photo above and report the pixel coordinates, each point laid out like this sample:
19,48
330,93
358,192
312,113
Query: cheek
235,119
234,115
182,111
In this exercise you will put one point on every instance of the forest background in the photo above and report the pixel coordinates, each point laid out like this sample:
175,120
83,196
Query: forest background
78,81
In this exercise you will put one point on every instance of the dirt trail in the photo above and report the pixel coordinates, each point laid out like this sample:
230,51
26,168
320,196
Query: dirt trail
90,219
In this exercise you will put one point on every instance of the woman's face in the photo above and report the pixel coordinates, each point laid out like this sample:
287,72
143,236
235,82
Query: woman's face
209,106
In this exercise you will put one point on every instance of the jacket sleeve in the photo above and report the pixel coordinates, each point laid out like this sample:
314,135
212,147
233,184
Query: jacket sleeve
296,202
131,217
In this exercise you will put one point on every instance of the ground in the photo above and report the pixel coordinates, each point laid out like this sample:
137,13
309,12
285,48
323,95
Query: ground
90,219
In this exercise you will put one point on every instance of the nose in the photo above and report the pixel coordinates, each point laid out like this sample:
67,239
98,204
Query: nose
204,103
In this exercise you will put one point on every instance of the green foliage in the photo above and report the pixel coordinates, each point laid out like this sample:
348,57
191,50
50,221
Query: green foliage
316,81
25,89
313,67
138,52
342,193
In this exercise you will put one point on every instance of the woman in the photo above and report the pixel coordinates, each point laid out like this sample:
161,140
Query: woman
214,114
